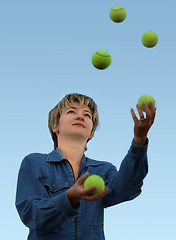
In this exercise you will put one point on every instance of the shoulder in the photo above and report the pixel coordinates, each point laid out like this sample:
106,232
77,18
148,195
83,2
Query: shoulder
35,158
34,164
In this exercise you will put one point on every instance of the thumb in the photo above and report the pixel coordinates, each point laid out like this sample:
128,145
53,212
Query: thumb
83,178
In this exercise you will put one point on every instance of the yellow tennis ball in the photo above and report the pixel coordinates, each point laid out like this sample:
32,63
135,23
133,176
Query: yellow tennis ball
94,180
147,99
101,59
117,14
149,39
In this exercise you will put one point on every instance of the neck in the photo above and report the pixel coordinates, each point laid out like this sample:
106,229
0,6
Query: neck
71,150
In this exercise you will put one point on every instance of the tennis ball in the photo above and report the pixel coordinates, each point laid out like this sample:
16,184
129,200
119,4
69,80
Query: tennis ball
94,180
117,14
149,39
101,59
147,99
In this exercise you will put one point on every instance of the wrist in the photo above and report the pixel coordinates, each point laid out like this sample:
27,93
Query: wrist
140,141
72,198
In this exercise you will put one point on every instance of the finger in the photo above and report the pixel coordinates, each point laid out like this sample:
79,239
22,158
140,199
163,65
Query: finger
89,190
141,115
148,113
97,196
83,178
153,112
133,115
152,107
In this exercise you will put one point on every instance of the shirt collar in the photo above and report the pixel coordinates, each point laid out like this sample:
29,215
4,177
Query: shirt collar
56,156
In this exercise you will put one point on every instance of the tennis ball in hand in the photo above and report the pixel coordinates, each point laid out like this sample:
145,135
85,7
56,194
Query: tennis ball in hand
149,39
101,59
147,99
117,14
94,180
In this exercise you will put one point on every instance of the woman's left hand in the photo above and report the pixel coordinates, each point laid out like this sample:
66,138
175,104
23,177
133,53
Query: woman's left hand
142,125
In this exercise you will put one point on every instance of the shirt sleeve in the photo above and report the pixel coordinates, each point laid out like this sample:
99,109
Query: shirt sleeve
126,183
36,209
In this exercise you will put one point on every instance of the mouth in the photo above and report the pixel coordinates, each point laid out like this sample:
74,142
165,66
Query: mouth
79,124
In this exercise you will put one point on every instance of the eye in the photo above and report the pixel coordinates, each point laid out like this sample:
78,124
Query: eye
88,115
70,111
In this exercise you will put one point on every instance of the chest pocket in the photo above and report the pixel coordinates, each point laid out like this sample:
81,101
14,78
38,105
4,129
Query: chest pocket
54,185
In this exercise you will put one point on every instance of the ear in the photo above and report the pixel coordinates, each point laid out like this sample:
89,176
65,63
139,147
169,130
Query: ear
55,130
91,136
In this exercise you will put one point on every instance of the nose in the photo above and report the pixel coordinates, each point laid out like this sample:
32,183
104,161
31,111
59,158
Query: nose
80,117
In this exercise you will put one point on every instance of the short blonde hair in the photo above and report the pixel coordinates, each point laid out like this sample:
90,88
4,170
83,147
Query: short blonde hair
55,113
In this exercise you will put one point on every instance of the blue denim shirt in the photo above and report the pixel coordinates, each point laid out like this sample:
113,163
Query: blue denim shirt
43,205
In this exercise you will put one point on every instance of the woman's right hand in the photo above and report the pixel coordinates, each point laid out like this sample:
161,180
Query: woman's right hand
77,192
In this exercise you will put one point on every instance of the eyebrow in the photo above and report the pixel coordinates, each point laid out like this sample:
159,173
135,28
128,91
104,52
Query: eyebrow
85,110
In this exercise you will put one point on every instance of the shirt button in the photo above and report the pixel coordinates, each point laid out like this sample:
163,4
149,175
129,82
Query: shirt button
54,187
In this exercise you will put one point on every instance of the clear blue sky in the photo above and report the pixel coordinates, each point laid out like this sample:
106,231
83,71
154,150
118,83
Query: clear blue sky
45,53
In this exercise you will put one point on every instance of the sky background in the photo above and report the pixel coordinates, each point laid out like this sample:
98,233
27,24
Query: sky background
45,53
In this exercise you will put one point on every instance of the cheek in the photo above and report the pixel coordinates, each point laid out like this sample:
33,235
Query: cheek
91,127
60,124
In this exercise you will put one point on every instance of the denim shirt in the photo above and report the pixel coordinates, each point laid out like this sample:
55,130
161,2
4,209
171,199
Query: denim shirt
43,205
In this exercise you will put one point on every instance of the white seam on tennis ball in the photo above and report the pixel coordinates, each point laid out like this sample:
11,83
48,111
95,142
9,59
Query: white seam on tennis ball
150,41
115,10
102,55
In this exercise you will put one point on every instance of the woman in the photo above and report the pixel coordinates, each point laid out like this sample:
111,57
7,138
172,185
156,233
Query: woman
51,199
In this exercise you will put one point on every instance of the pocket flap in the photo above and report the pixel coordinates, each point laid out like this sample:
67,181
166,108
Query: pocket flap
54,184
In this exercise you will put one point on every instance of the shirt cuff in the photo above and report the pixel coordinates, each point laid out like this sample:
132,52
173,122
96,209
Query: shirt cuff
63,204
138,150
